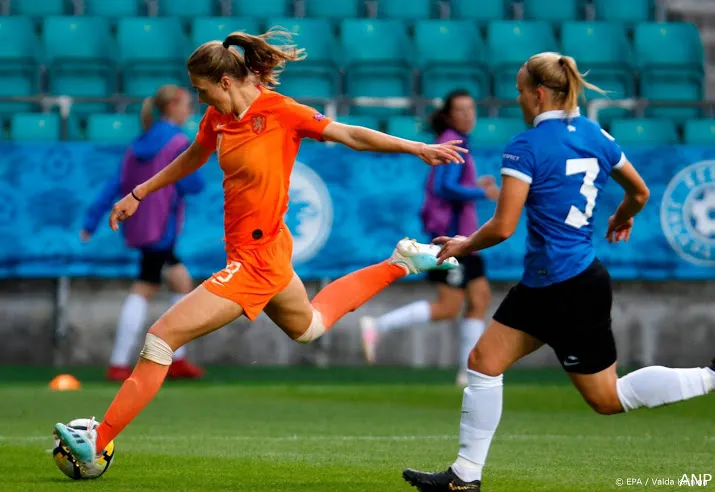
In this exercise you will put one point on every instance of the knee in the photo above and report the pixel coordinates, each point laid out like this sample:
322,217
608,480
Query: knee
315,329
445,310
483,363
605,404
157,350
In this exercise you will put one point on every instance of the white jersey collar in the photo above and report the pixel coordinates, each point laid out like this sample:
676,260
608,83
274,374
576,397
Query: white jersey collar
558,114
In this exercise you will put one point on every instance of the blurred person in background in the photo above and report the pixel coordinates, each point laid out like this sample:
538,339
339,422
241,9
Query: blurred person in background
450,207
155,227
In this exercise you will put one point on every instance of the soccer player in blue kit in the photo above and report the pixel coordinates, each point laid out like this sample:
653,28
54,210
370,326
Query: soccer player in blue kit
557,170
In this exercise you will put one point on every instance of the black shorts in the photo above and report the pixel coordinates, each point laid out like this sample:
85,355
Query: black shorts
152,263
470,268
573,317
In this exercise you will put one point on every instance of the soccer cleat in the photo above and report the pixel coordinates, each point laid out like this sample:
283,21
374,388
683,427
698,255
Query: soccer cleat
439,482
418,257
82,444
370,336
183,369
118,373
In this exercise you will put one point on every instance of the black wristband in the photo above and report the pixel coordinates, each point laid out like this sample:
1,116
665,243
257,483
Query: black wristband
136,197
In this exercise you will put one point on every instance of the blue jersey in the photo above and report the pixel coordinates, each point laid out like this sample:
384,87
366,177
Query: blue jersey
566,163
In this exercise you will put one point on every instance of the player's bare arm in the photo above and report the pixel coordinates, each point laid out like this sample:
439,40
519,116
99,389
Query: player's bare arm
364,139
636,196
497,229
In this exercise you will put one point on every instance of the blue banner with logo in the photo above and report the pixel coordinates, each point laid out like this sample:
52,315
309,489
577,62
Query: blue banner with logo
347,211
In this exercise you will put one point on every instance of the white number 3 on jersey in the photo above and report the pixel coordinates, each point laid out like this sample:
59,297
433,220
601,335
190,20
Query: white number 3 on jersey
589,167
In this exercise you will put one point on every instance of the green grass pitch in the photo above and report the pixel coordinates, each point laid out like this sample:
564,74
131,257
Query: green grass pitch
346,429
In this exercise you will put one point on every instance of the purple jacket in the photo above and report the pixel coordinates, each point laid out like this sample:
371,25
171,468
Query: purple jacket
450,193
148,224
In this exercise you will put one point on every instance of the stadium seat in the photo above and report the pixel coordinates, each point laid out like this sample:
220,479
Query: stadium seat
113,9
331,9
644,131
700,132
187,8
482,11
113,128
404,9
554,10
409,127
376,53
18,62
191,126
262,8
78,53
152,51
602,49
318,75
38,8
495,131
627,11
360,120
451,55
217,28
510,45
671,59
37,127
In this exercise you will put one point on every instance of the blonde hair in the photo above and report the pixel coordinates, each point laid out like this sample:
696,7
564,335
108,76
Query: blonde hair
154,107
259,59
560,74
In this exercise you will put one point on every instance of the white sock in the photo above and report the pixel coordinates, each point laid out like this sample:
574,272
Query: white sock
656,385
179,353
470,330
130,327
481,412
412,314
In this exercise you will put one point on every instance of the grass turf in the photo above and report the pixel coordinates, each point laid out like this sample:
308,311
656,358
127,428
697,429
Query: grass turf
354,429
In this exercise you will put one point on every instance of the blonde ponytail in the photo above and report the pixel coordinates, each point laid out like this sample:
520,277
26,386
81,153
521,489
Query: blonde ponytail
154,107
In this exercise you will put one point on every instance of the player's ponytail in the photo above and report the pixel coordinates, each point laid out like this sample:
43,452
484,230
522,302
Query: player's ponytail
256,57
154,107
560,74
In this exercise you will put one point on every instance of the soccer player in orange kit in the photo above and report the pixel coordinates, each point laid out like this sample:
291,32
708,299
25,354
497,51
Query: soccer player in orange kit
256,133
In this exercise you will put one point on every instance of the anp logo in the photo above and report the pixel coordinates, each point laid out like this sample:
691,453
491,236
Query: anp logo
687,213
310,212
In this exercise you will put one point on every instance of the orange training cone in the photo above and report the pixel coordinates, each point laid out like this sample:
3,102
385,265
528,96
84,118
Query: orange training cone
65,382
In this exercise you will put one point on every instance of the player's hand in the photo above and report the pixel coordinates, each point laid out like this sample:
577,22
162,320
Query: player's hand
486,181
618,230
456,246
84,236
122,210
446,153
492,192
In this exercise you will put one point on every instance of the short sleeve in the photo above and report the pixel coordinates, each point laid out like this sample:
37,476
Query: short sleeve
206,136
614,154
304,120
518,160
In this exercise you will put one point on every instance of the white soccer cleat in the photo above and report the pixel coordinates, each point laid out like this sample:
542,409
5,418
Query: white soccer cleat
82,444
370,337
418,257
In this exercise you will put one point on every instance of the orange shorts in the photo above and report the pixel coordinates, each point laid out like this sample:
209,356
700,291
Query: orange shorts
253,276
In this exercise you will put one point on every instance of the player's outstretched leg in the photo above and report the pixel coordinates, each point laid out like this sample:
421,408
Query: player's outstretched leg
195,315
350,292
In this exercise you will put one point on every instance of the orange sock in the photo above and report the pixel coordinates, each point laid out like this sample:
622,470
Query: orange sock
133,396
352,291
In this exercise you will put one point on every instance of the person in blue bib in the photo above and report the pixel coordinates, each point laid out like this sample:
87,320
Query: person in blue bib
557,171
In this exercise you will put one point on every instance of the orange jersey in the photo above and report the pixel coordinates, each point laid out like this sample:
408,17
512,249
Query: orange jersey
256,154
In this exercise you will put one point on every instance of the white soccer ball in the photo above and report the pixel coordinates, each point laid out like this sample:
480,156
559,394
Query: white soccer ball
69,465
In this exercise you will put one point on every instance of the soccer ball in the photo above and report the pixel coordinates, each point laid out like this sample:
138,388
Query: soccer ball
69,465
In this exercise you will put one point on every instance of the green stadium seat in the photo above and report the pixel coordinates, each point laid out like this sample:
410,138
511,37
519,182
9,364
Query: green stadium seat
409,127
19,62
700,132
483,11
262,8
554,10
495,131
35,127
187,8
38,8
113,8
644,131
330,9
113,128
627,11
404,9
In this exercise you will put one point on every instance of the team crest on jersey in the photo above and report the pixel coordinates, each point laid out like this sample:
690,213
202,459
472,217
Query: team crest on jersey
687,213
258,123
310,212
